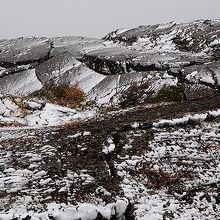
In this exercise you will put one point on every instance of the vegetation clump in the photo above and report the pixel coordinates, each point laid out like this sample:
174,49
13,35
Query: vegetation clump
71,97
170,94
105,109
138,94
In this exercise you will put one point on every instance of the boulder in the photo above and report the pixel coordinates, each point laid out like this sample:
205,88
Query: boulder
20,84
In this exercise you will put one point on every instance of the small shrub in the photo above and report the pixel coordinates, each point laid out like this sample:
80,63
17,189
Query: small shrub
72,124
71,96
10,124
170,93
62,95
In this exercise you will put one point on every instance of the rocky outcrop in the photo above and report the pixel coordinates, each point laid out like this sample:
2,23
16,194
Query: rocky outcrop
54,68
193,37
23,51
186,53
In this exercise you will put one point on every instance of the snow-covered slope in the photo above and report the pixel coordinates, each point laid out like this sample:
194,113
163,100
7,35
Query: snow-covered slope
153,162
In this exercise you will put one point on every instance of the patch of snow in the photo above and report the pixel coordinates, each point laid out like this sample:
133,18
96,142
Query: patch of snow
110,148
216,42
185,119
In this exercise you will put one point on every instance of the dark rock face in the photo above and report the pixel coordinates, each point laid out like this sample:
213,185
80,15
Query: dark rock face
113,61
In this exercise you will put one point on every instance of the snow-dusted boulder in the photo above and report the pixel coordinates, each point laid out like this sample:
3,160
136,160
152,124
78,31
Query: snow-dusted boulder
20,84
24,50
54,68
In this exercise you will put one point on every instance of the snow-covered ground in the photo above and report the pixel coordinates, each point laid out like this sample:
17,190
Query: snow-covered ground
37,114
173,175
178,177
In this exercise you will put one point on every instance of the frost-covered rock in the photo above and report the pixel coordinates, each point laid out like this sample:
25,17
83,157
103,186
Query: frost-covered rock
54,68
23,50
20,84
3,108
105,67
180,55
9,108
190,37
34,105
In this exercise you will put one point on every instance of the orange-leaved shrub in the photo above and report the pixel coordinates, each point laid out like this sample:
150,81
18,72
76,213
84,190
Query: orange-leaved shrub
71,97
62,95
